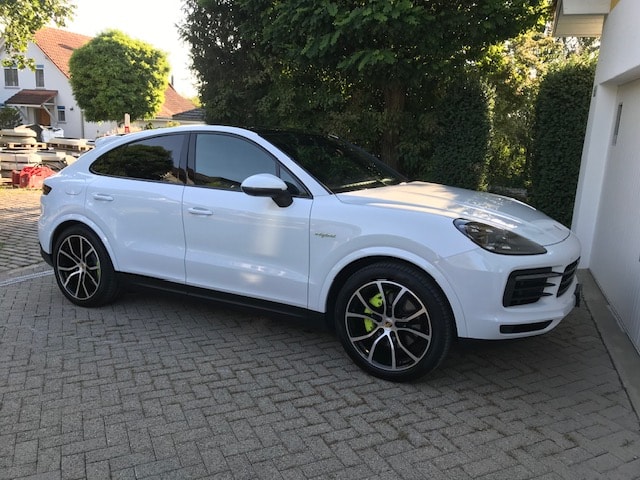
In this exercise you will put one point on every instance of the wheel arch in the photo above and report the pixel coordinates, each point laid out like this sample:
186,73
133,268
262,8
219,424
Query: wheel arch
85,223
347,270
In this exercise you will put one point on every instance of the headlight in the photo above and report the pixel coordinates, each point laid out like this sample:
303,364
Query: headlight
498,240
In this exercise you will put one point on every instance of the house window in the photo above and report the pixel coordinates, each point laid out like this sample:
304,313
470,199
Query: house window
39,76
62,115
10,77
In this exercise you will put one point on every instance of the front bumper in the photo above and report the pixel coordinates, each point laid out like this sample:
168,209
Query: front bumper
46,257
495,306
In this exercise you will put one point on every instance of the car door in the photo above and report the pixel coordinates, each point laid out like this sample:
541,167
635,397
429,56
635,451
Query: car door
237,243
136,200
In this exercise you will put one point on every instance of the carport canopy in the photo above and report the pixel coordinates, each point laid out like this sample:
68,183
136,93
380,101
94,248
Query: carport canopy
32,98
39,99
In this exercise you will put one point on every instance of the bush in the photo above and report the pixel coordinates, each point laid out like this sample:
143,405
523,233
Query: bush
561,113
460,154
9,117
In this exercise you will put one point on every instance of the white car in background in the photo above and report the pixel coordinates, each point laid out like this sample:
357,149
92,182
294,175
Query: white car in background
304,224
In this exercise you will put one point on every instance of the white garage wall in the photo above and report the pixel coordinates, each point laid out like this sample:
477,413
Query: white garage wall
615,259
606,215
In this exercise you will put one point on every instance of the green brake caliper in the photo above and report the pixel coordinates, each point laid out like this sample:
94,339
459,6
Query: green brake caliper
376,302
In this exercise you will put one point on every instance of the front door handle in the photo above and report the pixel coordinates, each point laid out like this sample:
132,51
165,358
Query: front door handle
200,211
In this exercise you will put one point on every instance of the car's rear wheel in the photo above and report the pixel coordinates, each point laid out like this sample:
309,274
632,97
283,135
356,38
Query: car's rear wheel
393,321
83,269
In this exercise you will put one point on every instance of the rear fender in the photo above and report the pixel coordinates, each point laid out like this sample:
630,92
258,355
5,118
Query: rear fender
69,220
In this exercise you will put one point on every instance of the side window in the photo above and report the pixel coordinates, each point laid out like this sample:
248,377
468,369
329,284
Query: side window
224,161
156,158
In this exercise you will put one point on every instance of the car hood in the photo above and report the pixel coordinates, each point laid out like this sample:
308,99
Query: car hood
496,210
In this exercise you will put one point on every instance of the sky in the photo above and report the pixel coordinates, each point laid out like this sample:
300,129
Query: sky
152,21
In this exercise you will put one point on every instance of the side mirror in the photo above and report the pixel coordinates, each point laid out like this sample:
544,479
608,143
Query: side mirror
267,185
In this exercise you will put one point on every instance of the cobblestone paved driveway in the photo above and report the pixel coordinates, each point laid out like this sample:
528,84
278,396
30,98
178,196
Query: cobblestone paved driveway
163,387
158,386
19,210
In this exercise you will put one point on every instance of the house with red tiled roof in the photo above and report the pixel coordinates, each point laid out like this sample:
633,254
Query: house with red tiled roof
45,97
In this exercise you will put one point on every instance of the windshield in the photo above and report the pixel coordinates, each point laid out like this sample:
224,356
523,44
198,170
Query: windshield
338,165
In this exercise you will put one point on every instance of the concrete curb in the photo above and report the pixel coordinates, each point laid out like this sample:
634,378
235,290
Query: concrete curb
624,356
25,273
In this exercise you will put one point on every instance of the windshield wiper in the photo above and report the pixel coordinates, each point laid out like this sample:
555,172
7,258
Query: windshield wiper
359,185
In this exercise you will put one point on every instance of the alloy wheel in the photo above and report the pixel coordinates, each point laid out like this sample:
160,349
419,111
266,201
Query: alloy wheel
78,267
388,325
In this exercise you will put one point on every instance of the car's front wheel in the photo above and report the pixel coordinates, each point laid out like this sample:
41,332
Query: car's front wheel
393,321
83,269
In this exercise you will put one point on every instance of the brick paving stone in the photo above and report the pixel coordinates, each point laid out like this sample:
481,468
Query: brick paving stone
19,247
321,429
158,386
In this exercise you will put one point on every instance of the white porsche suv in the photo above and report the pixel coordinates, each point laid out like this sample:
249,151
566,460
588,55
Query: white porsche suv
304,224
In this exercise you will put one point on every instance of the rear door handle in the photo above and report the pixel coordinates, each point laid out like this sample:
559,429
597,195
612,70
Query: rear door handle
102,197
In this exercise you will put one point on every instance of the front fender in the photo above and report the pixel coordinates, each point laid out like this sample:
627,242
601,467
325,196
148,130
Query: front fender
319,293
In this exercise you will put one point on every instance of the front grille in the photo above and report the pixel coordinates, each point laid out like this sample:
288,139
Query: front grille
528,286
567,277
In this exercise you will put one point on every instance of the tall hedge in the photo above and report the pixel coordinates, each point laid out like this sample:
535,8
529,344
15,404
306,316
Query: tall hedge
561,113
461,144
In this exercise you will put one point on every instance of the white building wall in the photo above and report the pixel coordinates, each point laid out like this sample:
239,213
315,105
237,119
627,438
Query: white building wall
54,79
619,63
602,202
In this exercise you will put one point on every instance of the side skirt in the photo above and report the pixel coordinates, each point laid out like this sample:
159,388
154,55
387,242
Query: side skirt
308,317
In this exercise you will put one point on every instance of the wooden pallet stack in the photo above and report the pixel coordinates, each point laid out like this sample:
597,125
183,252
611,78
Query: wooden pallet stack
72,146
19,138
19,148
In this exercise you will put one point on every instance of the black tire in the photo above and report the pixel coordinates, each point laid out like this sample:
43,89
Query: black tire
83,269
393,321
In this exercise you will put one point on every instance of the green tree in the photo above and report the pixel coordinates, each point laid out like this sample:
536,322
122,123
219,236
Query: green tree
232,79
513,71
114,74
382,46
21,19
